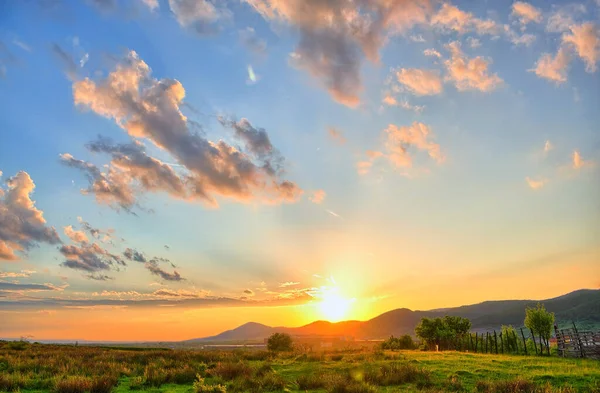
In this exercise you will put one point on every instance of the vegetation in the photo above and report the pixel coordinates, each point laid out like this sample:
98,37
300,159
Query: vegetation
397,343
280,342
70,369
540,321
442,332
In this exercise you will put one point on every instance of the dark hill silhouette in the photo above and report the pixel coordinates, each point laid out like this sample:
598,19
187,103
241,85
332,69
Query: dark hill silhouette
582,306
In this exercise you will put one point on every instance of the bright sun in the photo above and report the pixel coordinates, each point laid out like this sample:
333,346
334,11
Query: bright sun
333,306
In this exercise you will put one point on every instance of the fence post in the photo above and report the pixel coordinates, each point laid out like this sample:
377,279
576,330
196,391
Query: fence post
501,343
524,342
487,339
496,341
578,340
534,343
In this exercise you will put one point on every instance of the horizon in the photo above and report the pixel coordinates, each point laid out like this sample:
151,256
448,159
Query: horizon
172,168
52,340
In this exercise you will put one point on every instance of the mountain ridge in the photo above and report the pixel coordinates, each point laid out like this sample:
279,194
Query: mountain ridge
580,305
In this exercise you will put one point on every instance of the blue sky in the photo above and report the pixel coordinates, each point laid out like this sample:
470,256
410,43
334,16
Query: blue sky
465,153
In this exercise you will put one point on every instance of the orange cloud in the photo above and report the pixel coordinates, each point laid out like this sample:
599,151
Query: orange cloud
420,82
318,196
74,235
450,17
586,40
336,135
470,74
526,13
553,68
579,162
535,184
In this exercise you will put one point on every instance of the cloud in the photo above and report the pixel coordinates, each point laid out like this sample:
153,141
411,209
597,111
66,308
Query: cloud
553,68
147,108
390,100
75,236
22,274
526,13
90,258
102,235
473,42
469,74
14,287
579,162
450,18
21,45
420,82
288,284
336,35
318,196
249,39
398,143
66,60
548,146
151,4
535,184
199,15
563,17
152,266
249,292
134,255
336,135
417,38
22,224
432,52
585,38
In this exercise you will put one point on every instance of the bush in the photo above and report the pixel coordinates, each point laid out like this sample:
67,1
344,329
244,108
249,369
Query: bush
73,384
136,383
232,370
200,386
310,382
396,343
350,386
280,342
513,386
103,384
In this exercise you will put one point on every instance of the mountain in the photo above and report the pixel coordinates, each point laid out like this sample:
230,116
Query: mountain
582,306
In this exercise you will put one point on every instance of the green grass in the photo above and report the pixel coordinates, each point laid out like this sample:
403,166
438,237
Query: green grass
69,369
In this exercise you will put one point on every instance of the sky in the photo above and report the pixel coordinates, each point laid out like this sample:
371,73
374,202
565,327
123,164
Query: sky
174,168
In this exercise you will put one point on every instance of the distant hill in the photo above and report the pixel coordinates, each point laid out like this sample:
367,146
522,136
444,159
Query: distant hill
582,306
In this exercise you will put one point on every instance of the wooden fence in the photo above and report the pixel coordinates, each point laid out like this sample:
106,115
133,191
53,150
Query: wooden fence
577,344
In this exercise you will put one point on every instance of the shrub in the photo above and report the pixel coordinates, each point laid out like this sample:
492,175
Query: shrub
310,382
231,370
103,384
136,383
513,386
184,375
396,343
200,386
154,375
350,386
280,342
73,384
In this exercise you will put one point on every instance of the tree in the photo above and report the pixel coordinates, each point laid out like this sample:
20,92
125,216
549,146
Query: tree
442,331
280,342
540,321
396,343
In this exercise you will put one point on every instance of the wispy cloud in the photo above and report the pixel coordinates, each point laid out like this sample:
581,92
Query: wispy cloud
535,184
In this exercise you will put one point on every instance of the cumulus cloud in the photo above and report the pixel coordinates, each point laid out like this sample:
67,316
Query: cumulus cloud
526,13
420,82
399,143
563,17
432,53
336,135
451,18
199,15
151,4
585,38
100,234
147,108
75,235
153,264
469,74
579,162
535,184
90,258
553,68
134,255
318,196
249,39
335,36
22,224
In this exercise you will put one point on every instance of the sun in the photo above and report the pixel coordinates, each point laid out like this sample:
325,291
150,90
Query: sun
333,306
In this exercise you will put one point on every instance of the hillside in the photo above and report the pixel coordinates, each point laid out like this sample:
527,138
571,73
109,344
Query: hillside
582,306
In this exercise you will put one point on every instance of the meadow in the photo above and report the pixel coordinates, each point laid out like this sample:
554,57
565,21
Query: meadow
26,367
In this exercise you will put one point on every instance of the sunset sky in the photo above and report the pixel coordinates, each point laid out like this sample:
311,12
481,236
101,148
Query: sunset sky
173,169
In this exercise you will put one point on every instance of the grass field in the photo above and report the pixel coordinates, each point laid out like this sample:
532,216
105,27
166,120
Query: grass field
70,369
